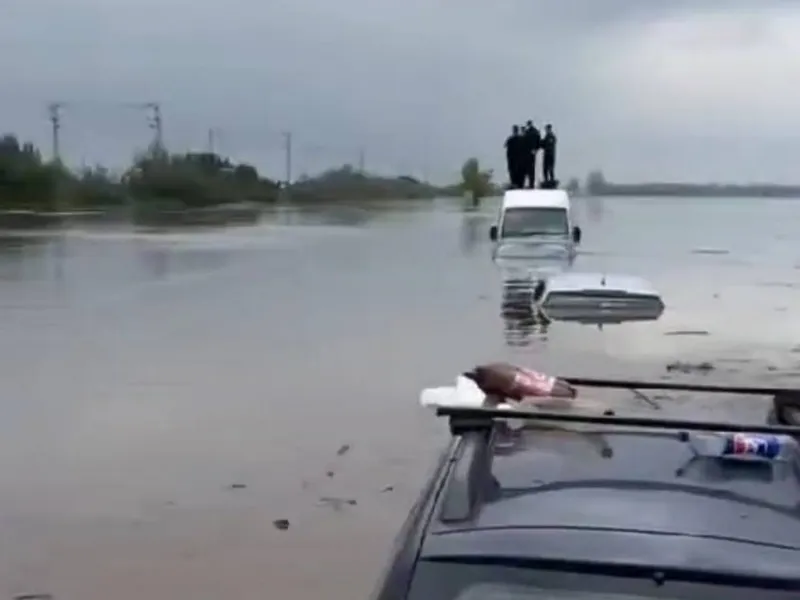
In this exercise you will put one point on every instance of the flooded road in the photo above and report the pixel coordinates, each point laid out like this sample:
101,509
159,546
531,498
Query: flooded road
166,397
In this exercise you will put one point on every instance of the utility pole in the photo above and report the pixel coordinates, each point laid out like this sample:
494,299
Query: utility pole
54,109
287,136
157,125
361,159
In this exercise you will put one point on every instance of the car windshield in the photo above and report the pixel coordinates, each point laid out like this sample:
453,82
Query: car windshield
523,222
446,580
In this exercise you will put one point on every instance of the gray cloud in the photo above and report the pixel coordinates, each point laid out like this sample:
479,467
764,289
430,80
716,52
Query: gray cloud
642,88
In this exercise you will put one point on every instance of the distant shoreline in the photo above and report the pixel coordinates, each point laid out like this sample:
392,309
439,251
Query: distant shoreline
688,190
597,185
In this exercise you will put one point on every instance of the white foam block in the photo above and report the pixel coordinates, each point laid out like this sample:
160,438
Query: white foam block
465,394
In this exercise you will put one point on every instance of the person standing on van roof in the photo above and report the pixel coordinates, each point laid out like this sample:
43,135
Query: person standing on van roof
549,154
533,141
515,150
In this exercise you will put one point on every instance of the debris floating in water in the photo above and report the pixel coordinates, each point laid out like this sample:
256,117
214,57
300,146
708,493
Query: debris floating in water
687,367
688,332
337,503
713,251
343,449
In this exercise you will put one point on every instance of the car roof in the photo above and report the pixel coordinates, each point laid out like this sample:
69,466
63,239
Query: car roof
622,481
576,282
554,486
535,199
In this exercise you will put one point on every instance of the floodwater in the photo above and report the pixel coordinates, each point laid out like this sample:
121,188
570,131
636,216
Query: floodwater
167,396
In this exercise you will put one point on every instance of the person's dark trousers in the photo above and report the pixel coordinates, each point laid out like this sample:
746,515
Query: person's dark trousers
519,176
516,175
549,167
530,173
512,174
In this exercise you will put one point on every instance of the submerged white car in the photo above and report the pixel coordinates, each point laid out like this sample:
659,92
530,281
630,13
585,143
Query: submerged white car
597,298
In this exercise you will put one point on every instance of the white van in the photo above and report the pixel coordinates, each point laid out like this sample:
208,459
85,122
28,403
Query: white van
536,216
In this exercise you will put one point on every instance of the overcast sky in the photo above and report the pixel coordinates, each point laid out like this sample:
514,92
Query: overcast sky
643,89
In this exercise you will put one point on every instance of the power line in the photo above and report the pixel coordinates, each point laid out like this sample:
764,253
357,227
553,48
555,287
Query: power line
155,121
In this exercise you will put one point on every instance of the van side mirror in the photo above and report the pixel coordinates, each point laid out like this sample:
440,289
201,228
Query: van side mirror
576,234
493,233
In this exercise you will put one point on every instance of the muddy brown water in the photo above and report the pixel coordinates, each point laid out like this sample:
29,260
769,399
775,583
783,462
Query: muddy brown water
167,396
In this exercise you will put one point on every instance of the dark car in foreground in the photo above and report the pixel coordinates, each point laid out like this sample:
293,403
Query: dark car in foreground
534,505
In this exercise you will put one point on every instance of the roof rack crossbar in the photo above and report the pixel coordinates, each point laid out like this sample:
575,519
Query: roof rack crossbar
488,415
686,387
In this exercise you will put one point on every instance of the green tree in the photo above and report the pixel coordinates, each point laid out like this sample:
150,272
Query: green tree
474,181
195,180
26,182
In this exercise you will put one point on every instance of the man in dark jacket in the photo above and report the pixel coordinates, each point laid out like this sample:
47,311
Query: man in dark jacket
549,155
515,158
533,141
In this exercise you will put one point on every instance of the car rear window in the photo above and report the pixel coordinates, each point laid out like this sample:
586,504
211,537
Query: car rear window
600,298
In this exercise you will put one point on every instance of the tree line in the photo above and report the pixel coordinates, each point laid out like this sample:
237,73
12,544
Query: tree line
194,180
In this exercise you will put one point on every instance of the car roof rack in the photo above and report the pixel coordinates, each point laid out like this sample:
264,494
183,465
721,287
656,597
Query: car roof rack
475,419
464,419
472,468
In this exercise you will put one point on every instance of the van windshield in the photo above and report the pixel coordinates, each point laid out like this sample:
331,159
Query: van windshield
525,221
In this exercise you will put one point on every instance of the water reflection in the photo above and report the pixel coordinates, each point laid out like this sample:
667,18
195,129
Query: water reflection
474,231
523,325
352,216
595,208
523,322
22,256
163,256
156,261
347,214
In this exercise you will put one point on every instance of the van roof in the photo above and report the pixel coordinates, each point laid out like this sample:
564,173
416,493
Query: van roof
536,198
